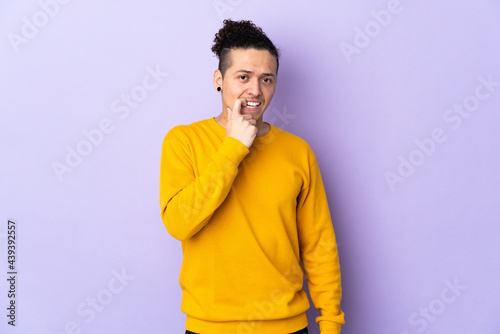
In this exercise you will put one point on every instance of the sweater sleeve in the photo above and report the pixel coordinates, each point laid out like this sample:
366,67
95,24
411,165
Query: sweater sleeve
188,201
318,249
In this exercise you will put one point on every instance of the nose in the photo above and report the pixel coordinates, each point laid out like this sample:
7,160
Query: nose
254,87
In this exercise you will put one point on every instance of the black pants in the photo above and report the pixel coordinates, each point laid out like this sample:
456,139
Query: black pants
302,331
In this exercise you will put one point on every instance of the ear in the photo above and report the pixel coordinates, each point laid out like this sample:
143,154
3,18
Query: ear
217,79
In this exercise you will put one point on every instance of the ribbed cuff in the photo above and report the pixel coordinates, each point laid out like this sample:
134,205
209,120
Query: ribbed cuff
329,327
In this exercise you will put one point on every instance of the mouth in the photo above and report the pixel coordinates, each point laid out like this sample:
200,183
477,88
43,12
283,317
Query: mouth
252,105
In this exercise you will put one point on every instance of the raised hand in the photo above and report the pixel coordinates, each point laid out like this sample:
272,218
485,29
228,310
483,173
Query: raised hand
241,127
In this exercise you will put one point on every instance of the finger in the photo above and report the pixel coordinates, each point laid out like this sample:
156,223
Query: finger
237,105
252,121
229,112
243,102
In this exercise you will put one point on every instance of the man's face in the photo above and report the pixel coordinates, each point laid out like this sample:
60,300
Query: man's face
252,76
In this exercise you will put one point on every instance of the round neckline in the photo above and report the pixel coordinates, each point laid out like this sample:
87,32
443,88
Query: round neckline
222,132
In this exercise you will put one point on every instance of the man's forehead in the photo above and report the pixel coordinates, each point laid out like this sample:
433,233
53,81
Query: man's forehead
252,60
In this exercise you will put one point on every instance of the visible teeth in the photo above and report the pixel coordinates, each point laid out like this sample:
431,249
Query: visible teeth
253,104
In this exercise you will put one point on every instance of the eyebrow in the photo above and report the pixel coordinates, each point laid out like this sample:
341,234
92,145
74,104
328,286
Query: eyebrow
250,72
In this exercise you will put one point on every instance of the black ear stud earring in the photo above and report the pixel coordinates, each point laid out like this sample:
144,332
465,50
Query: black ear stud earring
219,89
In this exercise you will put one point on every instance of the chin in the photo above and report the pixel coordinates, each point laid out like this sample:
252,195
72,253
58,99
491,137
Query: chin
255,115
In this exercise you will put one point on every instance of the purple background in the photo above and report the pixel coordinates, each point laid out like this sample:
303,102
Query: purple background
366,112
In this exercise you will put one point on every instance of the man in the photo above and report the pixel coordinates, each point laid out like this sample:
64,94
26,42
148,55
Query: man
247,201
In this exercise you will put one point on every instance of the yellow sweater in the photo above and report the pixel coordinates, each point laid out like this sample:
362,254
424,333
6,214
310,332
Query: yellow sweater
245,219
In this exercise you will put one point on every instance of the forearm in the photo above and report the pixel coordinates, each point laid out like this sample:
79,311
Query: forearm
322,268
319,253
188,201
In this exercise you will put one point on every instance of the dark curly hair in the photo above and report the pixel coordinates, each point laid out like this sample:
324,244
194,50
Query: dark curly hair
240,35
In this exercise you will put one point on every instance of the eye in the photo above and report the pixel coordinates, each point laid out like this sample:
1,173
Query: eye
267,80
243,77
